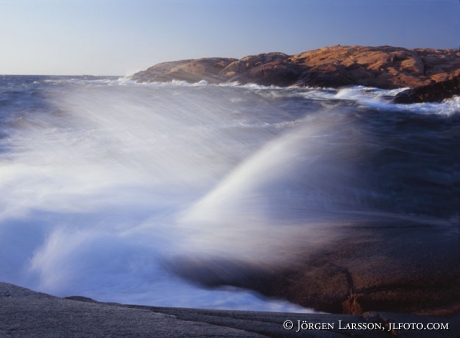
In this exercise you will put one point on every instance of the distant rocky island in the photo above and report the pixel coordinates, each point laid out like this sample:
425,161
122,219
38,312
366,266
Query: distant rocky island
383,67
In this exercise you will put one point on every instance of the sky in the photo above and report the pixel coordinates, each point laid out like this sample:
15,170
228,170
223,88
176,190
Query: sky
120,37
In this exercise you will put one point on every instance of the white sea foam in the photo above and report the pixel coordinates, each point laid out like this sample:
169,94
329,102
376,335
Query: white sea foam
375,98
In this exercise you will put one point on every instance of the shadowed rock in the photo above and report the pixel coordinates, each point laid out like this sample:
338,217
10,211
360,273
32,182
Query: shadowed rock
435,92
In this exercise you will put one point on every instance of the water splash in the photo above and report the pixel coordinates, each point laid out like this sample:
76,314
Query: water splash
104,183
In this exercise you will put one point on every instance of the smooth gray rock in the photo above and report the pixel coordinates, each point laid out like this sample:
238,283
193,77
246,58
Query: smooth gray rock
25,313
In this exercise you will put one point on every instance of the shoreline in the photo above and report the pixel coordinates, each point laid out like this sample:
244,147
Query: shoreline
26,313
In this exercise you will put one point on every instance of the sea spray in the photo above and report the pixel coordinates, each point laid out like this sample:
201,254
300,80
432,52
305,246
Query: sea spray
95,175
284,194
109,187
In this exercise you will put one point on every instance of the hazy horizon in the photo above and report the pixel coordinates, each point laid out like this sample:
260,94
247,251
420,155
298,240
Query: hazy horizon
117,37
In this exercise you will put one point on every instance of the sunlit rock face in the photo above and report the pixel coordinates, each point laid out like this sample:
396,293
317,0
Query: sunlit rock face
383,67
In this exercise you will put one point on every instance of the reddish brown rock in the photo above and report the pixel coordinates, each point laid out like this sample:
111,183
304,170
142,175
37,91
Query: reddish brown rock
435,92
382,67
396,267
248,63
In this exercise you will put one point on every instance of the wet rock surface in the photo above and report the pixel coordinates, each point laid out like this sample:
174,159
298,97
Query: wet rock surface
25,313
383,67
435,92
393,265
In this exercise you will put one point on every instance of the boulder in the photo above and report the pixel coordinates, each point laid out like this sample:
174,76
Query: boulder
435,92
395,265
192,71
247,63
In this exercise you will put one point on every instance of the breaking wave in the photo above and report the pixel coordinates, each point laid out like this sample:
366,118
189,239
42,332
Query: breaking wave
106,182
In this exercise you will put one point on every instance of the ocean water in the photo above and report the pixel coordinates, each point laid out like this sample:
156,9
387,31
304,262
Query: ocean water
105,184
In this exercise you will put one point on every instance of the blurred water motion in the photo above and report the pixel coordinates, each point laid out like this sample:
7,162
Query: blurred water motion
107,184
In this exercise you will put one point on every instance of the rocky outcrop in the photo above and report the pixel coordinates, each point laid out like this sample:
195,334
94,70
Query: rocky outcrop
393,265
185,70
435,92
382,67
28,314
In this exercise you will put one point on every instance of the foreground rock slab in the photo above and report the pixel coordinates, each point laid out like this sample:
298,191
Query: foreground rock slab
391,265
25,313
382,67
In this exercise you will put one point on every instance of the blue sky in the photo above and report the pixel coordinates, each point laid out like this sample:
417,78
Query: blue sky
119,37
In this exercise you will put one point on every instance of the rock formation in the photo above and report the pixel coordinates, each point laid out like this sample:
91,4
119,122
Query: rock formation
28,314
383,67
395,266
185,70
435,92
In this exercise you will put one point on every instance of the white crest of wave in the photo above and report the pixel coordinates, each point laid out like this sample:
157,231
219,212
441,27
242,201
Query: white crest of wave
380,99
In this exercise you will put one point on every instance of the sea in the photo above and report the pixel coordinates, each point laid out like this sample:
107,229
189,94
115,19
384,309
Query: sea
106,184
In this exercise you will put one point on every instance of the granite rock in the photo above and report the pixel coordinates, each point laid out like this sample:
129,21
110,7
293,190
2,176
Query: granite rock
391,265
382,67
28,314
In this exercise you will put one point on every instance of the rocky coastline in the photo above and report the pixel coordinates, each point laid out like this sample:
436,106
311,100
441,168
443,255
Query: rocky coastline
383,67
341,279
28,314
